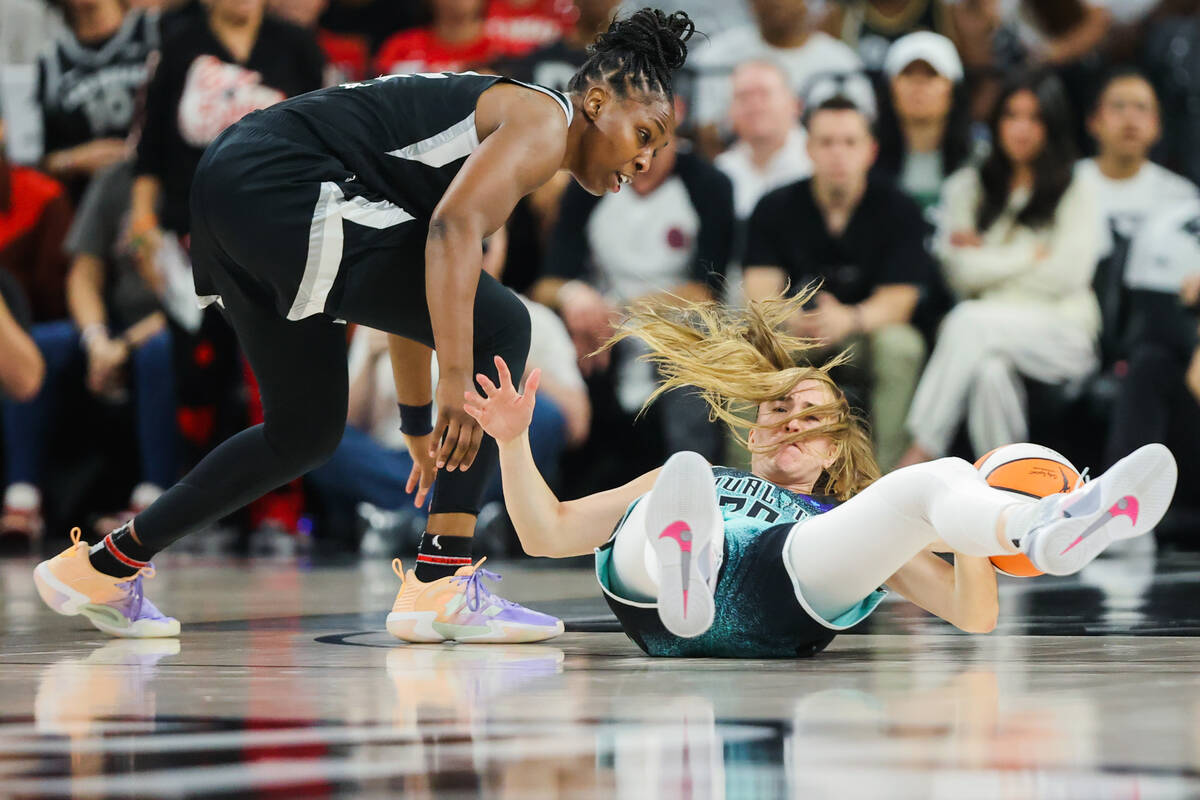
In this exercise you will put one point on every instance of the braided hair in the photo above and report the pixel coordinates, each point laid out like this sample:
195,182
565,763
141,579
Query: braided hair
637,54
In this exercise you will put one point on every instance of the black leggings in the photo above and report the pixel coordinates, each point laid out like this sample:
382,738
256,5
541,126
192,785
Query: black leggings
301,365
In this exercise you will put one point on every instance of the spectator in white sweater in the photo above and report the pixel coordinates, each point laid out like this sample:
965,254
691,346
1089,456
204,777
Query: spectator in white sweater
1018,245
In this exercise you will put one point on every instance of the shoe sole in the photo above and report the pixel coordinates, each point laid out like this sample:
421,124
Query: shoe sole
681,515
421,627
414,626
1147,475
62,599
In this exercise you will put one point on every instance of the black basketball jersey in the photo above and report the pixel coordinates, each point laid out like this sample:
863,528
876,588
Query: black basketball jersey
90,92
403,136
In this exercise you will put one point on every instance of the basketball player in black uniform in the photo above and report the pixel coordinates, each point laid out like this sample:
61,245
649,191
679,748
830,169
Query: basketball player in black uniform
368,203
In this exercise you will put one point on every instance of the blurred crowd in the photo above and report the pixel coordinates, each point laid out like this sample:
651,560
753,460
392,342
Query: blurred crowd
997,197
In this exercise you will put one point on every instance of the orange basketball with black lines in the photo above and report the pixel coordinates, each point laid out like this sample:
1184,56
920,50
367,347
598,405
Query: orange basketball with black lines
1029,471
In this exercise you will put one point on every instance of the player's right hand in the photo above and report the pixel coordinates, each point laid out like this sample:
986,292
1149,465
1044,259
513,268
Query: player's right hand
503,413
459,434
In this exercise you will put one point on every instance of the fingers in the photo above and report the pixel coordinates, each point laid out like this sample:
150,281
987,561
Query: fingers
489,388
448,444
531,385
427,478
462,445
414,476
506,380
439,434
473,448
473,404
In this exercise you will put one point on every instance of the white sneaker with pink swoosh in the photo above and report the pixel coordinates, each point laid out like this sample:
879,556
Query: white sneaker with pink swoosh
681,518
1066,531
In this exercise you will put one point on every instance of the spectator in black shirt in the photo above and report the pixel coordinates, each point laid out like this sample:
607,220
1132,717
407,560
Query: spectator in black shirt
214,70
863,237
88,85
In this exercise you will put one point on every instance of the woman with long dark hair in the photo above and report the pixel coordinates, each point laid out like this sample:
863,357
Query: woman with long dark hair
1018,243
924,131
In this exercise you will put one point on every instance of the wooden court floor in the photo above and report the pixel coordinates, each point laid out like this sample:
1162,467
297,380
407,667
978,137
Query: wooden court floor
284,685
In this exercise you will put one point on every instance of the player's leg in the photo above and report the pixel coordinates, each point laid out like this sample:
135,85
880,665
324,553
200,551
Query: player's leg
841,556
668,549
301,370
383,287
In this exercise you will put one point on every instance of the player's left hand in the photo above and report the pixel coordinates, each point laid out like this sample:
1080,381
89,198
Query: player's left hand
424,469
504,414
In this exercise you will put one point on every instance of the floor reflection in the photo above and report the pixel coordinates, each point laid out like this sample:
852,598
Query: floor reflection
550,722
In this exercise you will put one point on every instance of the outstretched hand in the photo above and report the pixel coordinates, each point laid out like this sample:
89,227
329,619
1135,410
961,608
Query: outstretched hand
503,413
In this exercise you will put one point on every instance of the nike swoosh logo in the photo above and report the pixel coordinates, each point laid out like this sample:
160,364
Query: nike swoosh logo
434,541
1127,506
1066,484
682,534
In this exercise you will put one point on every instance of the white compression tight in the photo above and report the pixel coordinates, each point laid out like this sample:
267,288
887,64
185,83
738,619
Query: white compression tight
841,556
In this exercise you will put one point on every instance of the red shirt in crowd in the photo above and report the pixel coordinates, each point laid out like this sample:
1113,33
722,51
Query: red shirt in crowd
420,50
34,217
521,28
346,57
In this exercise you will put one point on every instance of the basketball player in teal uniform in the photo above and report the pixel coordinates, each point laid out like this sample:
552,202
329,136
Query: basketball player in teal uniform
697,560
368,203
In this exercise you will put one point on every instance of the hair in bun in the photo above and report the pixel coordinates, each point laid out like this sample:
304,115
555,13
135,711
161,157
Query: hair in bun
638,53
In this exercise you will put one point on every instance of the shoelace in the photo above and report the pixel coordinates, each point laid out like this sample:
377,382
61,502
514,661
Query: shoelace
1082,479
477,593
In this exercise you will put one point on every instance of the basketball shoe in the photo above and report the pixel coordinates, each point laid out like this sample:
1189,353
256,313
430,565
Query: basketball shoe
461,608
1062,533
682,520
70,585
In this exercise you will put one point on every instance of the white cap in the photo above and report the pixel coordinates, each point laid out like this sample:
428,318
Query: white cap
932,48
854,86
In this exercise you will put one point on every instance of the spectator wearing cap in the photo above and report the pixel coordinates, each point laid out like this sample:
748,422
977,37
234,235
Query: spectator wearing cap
1018,243
925,129
784,34
859,234
871,27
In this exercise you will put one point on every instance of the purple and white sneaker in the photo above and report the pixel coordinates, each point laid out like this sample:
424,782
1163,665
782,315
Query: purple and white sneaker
462,608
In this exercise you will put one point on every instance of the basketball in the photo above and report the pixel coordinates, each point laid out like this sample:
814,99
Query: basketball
1030,471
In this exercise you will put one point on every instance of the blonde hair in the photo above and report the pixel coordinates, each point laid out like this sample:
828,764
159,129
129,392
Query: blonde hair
737,358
